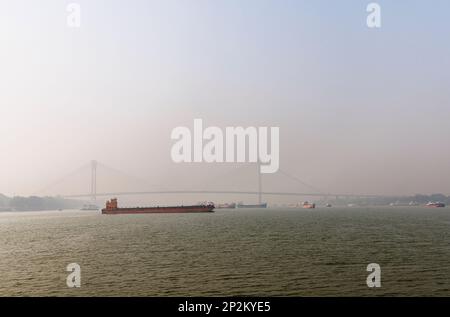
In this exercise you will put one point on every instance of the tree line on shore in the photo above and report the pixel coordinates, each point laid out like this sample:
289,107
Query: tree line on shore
35,203
418,199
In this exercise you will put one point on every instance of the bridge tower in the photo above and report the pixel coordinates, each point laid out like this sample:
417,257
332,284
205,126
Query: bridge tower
94,181
259,183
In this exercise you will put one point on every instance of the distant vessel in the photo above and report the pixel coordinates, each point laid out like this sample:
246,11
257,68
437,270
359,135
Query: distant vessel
113,209
90,207
242,205
403,204
307,205
226,206
328,205
436,204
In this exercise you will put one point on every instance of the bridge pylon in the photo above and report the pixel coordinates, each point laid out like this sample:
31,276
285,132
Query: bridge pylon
94,181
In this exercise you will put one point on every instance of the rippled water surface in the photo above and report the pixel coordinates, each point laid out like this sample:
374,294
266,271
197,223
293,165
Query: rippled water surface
287,252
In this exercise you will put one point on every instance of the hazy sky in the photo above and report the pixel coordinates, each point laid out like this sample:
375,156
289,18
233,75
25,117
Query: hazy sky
360,110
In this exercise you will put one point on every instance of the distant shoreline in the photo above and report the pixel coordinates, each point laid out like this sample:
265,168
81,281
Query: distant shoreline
48,203
35,203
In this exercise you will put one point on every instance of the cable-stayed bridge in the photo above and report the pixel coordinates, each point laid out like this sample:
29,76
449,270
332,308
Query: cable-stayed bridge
93,193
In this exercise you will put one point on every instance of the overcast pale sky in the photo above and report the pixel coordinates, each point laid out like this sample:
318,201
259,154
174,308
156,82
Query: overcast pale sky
360,110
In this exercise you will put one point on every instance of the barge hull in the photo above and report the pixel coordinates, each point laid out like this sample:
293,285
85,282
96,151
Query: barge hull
159,210
112,208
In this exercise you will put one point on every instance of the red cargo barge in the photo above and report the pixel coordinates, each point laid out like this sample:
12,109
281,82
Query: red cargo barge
113,209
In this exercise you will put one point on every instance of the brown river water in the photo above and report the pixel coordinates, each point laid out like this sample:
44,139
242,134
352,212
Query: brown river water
265,252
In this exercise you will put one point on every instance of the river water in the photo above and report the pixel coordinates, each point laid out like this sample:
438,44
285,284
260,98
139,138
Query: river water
266,252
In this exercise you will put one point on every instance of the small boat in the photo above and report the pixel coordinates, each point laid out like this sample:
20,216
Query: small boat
402,204
307,205
242,205
226,206
436,204
328,205
90,207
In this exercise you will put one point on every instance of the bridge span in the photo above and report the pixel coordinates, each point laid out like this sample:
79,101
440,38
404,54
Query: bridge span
234,192
93,194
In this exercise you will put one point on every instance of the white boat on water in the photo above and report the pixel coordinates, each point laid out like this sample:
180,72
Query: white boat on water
90,207
436,204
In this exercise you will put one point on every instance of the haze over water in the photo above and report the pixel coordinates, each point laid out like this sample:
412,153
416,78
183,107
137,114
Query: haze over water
289,252
90,110
360,110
